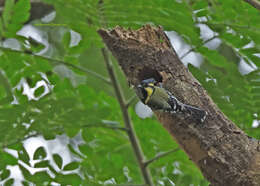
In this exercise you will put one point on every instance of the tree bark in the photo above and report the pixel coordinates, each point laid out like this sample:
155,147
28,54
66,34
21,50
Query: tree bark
225,154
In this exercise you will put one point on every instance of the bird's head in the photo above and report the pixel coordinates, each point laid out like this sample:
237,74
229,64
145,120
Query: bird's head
145,90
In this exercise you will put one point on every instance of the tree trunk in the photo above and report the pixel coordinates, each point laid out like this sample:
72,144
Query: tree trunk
225,155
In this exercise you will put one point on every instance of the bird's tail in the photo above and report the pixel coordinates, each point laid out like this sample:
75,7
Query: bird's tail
196,113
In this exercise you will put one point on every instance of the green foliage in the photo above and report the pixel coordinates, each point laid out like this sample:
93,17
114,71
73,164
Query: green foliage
74,103
171,168
14,15
108,150
234,93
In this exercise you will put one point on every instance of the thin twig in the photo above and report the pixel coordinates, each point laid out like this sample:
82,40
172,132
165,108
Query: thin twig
104,126
130,101
128,124
254,3
193,48
57,61
160,156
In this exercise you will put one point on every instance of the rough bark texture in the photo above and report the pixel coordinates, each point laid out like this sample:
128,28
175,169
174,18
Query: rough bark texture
225,155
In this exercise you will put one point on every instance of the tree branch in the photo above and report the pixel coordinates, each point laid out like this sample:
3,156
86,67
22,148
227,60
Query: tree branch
128,124
223,152
254,3
57,61
160,156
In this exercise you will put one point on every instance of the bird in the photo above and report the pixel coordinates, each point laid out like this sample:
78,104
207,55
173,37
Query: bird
159,99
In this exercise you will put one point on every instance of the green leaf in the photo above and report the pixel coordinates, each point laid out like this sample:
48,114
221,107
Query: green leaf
26,173
42,164
5,174
71,166
213,57
40,153
72,132
9,182
41,177
1,29
66,39
25,183
15,15
7,11
21,11
39,91
58,160
7,158
23,155
73,179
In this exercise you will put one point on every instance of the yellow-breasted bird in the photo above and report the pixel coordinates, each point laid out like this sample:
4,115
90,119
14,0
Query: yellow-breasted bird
159,99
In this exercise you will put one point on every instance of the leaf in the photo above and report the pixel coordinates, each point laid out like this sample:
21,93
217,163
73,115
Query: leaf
213,57
72,132
7,11
9,182
23,155
66,39
58,160
41,177
21,11
25,183
73,179
7,158
42,164
15,15
71,166
26,173
1,29
39,91
40,153
5,174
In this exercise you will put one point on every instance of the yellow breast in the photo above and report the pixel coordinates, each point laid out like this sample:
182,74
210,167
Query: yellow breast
149,91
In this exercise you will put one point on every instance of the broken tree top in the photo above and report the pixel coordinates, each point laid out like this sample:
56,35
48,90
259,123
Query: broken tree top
147,35
140,51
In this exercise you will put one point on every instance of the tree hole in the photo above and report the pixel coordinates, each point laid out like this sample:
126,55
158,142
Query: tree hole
147,73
